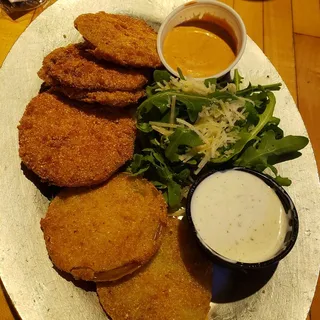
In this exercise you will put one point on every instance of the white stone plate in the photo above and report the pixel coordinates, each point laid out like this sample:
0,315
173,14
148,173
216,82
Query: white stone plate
36,289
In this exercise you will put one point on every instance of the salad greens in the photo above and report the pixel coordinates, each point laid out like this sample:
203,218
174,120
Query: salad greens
186,128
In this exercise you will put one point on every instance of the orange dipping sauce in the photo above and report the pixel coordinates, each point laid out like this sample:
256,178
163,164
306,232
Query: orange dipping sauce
200,48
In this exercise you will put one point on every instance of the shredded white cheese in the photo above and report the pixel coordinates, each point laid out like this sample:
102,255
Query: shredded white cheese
161,130
179,213
189,85
215,124
193,128
231,87
163,124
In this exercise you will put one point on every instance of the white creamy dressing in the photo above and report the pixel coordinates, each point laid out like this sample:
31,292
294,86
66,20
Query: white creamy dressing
239,216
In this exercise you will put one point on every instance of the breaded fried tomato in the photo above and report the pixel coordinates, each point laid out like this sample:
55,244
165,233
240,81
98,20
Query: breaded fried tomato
71,144
120,38
73,66
118,99
176,284
104,233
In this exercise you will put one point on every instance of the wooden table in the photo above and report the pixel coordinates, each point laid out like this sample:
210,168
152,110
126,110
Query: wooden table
288,31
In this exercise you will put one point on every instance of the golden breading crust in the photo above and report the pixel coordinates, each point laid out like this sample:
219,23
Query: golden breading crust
117,99
106,232
176,284
119,38
73,66
74,145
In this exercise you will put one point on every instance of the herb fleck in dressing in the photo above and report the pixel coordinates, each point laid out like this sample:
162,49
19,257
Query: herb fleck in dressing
239,216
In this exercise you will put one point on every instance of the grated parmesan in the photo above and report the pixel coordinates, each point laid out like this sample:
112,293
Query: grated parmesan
215,124
189,85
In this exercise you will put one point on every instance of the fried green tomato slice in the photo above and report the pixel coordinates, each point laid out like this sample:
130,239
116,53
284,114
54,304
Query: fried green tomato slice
176,284
70,144
120,38
73,66
117,99
106,232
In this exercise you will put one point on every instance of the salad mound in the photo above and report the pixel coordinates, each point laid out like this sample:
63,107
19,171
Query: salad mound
187,127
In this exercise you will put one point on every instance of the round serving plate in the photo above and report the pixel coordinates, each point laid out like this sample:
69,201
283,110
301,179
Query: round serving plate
34,286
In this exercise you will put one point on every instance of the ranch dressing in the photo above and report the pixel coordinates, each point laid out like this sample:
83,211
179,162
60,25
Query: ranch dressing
239,216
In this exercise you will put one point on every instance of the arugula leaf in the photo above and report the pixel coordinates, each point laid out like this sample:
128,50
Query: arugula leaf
270,146
194,106
136,162
250,89
144,127
159,185
151,90
162,103
181,74
237,79
152,164
182,175
209,81
161,75
181,137
271,127
246,135
274,159
271,151
283,181
259,99
192,102
222,95
275,121
174,194
137,166
251,113
286,182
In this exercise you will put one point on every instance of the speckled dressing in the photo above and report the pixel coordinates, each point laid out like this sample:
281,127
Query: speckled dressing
239,216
